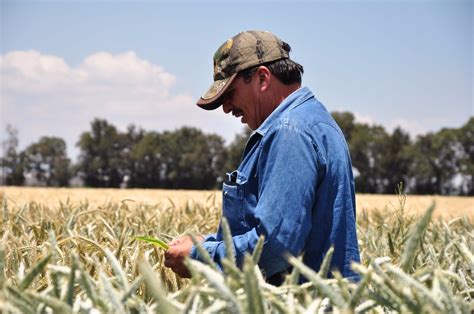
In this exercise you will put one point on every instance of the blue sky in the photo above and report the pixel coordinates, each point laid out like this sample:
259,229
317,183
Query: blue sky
407,63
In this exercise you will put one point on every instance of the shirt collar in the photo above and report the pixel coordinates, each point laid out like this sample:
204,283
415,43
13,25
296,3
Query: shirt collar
294,99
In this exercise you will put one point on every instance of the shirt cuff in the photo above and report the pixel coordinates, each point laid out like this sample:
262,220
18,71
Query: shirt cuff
210,247
194,253
210,237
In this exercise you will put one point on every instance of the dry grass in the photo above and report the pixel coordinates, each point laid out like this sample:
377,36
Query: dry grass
99,197
446,206
66,257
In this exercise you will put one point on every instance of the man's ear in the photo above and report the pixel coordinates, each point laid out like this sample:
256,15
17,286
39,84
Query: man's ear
264,78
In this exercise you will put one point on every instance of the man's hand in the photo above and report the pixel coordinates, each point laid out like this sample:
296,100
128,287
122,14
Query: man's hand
179,249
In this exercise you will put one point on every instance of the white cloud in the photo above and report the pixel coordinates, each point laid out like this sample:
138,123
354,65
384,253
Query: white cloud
126,69
365,119
36,73
43,95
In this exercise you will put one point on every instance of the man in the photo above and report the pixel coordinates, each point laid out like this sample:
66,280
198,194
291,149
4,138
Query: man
294,184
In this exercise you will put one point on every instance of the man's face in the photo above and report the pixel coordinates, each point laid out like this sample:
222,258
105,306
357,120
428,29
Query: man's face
242,101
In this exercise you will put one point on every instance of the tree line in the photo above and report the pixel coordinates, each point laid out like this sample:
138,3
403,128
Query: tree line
435,163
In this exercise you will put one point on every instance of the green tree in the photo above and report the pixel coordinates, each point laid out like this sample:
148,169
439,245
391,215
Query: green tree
422,169
346,122
466,138
236,149
395,161
147,165
12,162
125,161
437,162
191,159
367,155
47,161
449,153
101,155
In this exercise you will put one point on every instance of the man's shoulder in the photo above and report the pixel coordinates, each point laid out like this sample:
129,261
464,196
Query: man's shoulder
310,116
303,113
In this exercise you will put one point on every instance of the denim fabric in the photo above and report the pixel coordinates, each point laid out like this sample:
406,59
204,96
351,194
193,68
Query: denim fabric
294,186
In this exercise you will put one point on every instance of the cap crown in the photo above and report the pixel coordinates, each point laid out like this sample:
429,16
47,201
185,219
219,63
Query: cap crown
245,50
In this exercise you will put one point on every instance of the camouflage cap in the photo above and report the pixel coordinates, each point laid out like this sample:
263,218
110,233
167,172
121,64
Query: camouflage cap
244,50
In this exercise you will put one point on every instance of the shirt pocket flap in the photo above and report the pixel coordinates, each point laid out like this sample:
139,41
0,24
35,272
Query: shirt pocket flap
233,192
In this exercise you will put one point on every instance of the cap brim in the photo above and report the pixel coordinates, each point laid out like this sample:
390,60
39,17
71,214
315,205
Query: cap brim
210,100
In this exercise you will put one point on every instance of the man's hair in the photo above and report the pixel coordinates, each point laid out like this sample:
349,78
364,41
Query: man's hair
286,70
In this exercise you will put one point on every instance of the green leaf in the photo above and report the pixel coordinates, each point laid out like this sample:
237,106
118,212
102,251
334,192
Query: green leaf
56,305
2,266
118,270
70,286
319,283
203,254
155,285
326,264
252,288
415,239
35,271
257,252
154,241
229,243
216,280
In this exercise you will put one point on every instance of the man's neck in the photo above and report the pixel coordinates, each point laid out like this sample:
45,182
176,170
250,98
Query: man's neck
281,92
276,96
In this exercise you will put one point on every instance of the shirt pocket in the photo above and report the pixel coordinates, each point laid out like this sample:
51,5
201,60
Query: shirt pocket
233,195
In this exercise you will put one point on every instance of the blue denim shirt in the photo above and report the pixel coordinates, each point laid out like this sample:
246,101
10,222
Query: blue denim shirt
295,186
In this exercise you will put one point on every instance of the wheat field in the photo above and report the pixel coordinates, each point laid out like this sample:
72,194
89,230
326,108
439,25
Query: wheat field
75,251
446,206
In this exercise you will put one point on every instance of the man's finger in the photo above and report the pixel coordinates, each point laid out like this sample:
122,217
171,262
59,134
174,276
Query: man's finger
182,271
175,241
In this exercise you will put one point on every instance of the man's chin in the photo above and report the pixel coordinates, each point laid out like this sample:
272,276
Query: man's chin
251,125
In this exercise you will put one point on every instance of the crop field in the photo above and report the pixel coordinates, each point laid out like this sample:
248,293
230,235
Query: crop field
75,251
446,206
